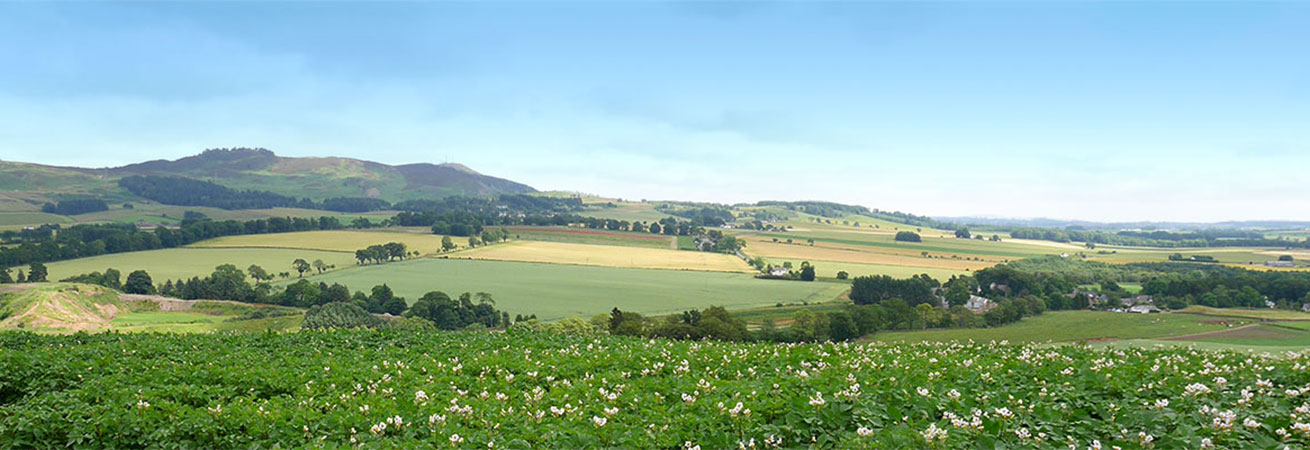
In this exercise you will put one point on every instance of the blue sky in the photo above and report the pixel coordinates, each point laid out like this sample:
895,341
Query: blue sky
1099,111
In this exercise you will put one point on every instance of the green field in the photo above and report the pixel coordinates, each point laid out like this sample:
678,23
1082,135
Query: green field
1070,326
629,211
829,269
346,241
180,263
21,219
555,291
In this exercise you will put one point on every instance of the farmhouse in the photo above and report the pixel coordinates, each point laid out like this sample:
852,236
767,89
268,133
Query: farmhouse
779,271
1286,264
979,304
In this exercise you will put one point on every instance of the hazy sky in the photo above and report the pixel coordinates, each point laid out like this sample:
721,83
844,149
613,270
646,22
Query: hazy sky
1101,111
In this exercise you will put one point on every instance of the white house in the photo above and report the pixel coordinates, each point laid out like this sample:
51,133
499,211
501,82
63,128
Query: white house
779,271
979,304
1144,309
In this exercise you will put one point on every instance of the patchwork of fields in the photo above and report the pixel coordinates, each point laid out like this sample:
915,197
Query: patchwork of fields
555,291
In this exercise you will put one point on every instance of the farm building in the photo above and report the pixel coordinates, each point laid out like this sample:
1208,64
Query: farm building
1279,264
779,271
979,304
1144,309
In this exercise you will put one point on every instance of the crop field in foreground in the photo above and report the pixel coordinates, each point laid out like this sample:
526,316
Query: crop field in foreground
515,390
334,240
179,263
608,256
556,291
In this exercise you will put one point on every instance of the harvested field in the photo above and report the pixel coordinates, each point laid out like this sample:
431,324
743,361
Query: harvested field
608,256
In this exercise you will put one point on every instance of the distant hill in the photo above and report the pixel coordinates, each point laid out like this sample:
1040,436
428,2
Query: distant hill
26,186
1116,226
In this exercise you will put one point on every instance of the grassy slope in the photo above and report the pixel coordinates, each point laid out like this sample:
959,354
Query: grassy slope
554,291
1069,326
67,307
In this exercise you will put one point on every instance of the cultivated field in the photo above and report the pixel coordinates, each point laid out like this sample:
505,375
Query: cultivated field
608,256
555,291
575,235
181,263
334,240
855,254
516,390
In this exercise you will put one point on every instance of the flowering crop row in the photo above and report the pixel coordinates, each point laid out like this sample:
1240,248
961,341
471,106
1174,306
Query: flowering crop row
520,390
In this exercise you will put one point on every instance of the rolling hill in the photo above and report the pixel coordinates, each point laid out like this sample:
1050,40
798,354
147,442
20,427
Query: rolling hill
27,186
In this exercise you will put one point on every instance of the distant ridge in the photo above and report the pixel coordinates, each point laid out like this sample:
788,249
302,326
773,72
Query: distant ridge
1040,222
260,169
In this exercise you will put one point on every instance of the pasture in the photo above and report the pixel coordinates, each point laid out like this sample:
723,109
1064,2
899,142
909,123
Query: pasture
1071,326
607,256
629,211
333,241
556,291
16,220
180,263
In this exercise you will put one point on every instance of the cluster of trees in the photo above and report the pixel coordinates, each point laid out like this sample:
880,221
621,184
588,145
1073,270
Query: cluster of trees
54,243
36,272
75,207
715,241
382,253
908,236
711,323
435,309
184,191
875,289
138,282
699,215
469,310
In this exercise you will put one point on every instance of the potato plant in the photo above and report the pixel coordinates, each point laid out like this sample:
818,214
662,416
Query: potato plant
534,390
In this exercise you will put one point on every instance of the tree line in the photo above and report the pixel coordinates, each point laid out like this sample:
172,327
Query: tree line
1203,238
75,207
56,243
